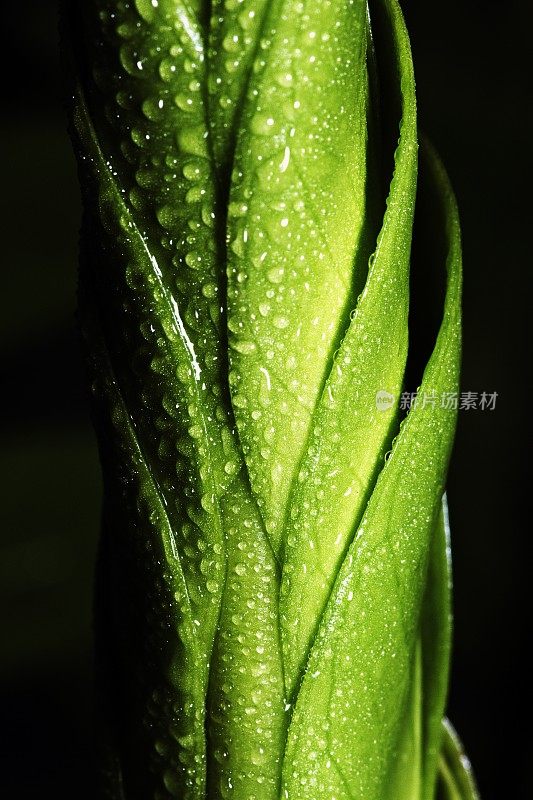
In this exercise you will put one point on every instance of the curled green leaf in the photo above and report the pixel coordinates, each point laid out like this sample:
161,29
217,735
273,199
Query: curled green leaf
359,671
273,607
296,216
456,781
349,430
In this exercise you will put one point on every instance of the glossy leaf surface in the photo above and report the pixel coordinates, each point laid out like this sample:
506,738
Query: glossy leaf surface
273,609
456,779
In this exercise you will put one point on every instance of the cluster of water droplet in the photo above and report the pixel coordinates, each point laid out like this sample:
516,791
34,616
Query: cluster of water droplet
166,362
165,328
348,430
163,675
233,36
287,90
247,713
160,304
290,271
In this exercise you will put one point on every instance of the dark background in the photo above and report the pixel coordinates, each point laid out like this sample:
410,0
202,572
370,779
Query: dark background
471,60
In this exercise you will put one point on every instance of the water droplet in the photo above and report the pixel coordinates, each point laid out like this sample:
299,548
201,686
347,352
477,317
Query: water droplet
275,275
209,290
193,260
126,30
195,431
262,124
129,58
186,741
284,79
167,69
285,160
237,247
291,362
207,503
146,8
193,141
231,65
152,109
239,401
195,170
246,19
166,216
244,347
225,101
230,43
237,209
258,260
208,215
185,102
230,467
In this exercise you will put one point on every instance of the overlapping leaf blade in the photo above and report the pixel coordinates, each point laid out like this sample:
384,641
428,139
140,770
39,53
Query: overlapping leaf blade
244,495
161,327
358,674
350,430
436,647
194,599
238,33
296,215
456,778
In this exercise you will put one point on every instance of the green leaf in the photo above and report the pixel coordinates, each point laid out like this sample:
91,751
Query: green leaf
247,715
349,432
405,777
238,36
170,399
296,216
166,369
142,604
436,637
166,584
147,108
273,608
358,674
456,778
415,764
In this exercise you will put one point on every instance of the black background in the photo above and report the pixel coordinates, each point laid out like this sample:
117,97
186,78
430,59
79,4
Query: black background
471,61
